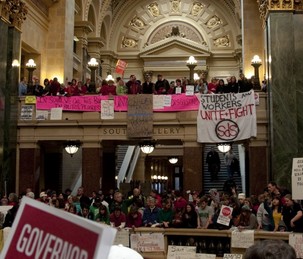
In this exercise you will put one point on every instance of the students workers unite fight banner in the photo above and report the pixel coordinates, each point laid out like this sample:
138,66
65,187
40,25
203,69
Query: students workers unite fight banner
226,117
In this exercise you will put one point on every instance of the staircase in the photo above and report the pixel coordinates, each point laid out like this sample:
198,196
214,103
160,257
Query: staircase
222,176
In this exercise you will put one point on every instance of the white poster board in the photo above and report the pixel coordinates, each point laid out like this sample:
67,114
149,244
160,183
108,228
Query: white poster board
180,252
225,215
297,178
42,231
203,256
153,242
41,115
26,112
122,237
232,256
296,241
242,239
107,110
190,90
56,114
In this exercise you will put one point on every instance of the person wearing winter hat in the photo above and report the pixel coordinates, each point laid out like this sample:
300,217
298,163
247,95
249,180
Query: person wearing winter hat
246,220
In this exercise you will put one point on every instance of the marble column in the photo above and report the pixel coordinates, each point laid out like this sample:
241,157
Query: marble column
285,52
11,108
3,62
192,166
92,173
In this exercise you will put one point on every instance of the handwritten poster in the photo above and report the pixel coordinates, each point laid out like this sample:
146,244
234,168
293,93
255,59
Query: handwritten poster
122,237
41,115
232,256
297,178
296,241
140,116
107,110
153,242
190,90
225,215
158,102
203,256
180,252
242,239
56,114
26,112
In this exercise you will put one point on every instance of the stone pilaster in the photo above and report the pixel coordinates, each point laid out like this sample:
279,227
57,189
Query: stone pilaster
59,49
82,29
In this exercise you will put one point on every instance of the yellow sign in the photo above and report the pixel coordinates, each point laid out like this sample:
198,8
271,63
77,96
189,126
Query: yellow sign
30,99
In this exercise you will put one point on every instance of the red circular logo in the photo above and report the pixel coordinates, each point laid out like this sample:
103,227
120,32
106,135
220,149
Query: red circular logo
226,211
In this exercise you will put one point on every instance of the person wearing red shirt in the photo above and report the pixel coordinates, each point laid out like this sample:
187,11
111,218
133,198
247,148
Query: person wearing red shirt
117,218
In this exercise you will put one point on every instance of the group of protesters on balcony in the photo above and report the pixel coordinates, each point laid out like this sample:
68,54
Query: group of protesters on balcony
273,210
133,86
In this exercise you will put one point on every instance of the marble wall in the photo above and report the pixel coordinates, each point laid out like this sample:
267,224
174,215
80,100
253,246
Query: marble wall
285,91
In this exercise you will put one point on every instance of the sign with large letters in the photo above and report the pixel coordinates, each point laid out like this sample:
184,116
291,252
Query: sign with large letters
226,117
92,103
41,231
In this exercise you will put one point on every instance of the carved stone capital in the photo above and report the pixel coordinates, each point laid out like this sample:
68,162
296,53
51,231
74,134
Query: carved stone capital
266,6
82,29
13,11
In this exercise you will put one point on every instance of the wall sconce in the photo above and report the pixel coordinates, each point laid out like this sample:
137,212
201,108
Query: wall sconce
159,178
224,147
173,160
256,62
147,146
191,64
72,147
109,77
15,63
196,77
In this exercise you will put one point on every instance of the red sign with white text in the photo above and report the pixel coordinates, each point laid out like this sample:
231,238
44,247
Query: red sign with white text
40,231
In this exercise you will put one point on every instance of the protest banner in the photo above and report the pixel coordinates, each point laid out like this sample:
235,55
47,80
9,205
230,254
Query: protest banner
92,103
140,116
42,231
226,117
297,178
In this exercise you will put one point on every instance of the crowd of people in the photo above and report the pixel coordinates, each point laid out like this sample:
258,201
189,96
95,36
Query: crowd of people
119,86
273,210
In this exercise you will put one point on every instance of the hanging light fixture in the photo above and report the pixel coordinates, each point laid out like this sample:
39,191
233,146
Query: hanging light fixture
147,146
173,160
224,147
71,147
